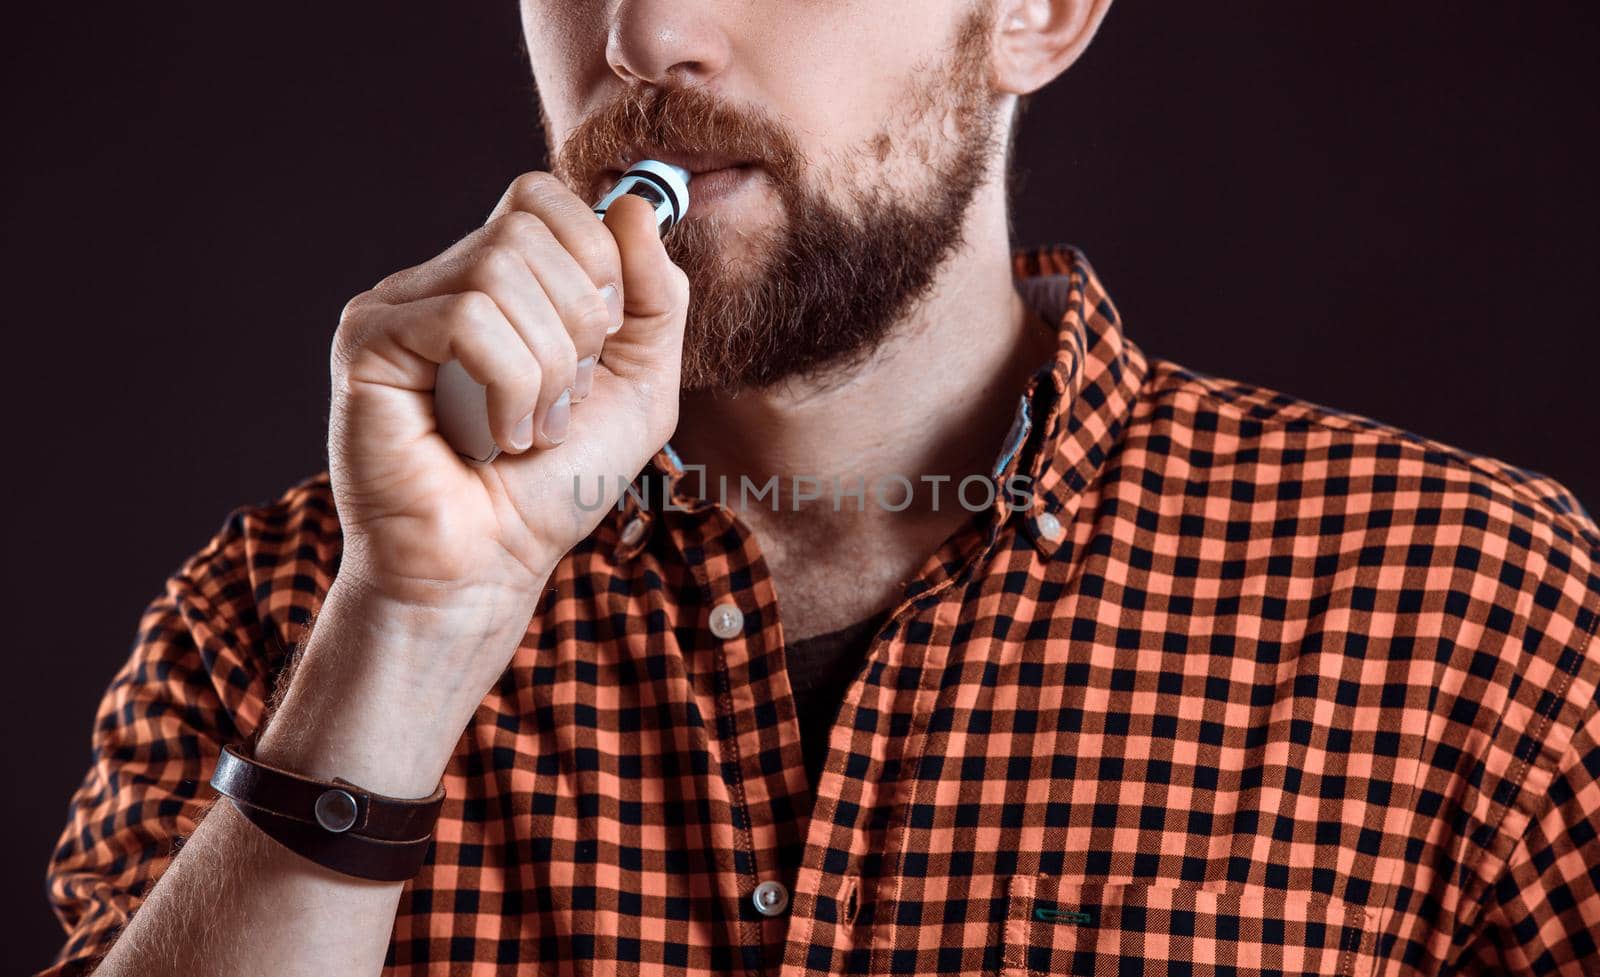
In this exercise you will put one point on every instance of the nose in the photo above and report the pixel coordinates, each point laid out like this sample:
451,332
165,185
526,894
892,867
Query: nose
670,43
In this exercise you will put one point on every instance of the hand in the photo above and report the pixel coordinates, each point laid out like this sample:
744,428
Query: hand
520,302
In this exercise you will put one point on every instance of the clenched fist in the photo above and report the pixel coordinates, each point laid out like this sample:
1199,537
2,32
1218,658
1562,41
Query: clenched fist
574,326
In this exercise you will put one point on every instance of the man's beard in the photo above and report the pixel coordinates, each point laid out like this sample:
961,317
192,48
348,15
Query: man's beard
828,285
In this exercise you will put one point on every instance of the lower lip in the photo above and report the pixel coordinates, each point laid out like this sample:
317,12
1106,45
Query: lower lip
713,186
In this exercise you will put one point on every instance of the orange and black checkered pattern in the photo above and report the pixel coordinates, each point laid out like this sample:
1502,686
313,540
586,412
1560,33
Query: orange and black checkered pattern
1255,686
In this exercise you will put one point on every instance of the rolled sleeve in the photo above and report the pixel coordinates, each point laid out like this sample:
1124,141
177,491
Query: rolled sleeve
1543,912
196,677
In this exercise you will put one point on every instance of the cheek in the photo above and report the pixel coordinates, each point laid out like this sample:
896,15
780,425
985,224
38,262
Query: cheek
834,71
566,44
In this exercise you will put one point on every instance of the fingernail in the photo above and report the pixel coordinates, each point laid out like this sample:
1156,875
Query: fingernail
555,422
584,380
614,306
522,437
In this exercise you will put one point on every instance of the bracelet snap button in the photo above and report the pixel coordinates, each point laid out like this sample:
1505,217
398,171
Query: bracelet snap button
336,810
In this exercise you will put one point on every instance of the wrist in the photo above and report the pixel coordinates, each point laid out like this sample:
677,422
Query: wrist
326,729
466,614
437,654
384,689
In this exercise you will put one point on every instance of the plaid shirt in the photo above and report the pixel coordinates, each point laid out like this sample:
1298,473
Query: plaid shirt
1252,686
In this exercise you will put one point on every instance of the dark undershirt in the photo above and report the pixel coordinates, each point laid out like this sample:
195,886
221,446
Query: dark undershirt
821,669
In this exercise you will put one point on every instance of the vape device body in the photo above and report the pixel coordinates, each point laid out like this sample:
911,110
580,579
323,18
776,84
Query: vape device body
460,402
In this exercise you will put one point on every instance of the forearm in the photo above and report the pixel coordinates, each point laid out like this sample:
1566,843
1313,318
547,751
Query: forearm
235,902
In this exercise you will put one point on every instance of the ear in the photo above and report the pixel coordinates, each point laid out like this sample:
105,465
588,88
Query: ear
1036,40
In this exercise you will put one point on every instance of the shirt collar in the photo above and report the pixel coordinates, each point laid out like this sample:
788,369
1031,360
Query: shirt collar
1069,415
1079,404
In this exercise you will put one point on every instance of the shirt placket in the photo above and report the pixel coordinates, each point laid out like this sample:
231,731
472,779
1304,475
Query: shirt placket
738,636
738,629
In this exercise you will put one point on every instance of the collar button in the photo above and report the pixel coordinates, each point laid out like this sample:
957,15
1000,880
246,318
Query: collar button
1048,526
633,531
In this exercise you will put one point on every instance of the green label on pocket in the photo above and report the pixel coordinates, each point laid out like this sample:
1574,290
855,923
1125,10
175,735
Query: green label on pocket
1053,915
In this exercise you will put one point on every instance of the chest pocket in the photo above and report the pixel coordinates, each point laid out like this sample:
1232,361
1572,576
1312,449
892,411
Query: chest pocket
1056,925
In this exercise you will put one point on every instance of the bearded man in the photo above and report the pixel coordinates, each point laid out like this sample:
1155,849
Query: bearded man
1011,650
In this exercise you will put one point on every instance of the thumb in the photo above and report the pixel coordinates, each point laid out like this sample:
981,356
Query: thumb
655,294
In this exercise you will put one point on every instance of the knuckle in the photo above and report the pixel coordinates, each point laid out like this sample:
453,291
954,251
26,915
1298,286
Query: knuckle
350,332
355,307
597,247
592,315
497,263
597,254
387,285
469,309
534,185
680,286
517,228
558,353
342,349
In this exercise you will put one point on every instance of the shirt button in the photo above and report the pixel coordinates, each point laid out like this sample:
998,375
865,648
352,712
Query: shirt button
771,898
633,531
1048,526
727,621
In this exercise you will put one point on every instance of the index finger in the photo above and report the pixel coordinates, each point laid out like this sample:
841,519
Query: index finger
573,222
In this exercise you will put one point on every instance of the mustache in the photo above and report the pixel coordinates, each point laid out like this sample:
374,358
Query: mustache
642,121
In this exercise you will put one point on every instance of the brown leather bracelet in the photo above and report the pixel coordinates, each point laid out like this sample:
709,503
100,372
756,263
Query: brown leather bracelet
336,824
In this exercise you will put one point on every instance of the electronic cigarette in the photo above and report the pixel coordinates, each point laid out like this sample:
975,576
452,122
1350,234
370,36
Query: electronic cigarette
664,185
460,403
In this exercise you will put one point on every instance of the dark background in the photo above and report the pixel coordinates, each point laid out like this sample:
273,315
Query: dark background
1388,209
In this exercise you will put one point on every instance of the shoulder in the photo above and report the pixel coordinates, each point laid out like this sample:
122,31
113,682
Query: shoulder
1459,581
1410,516
1227,430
